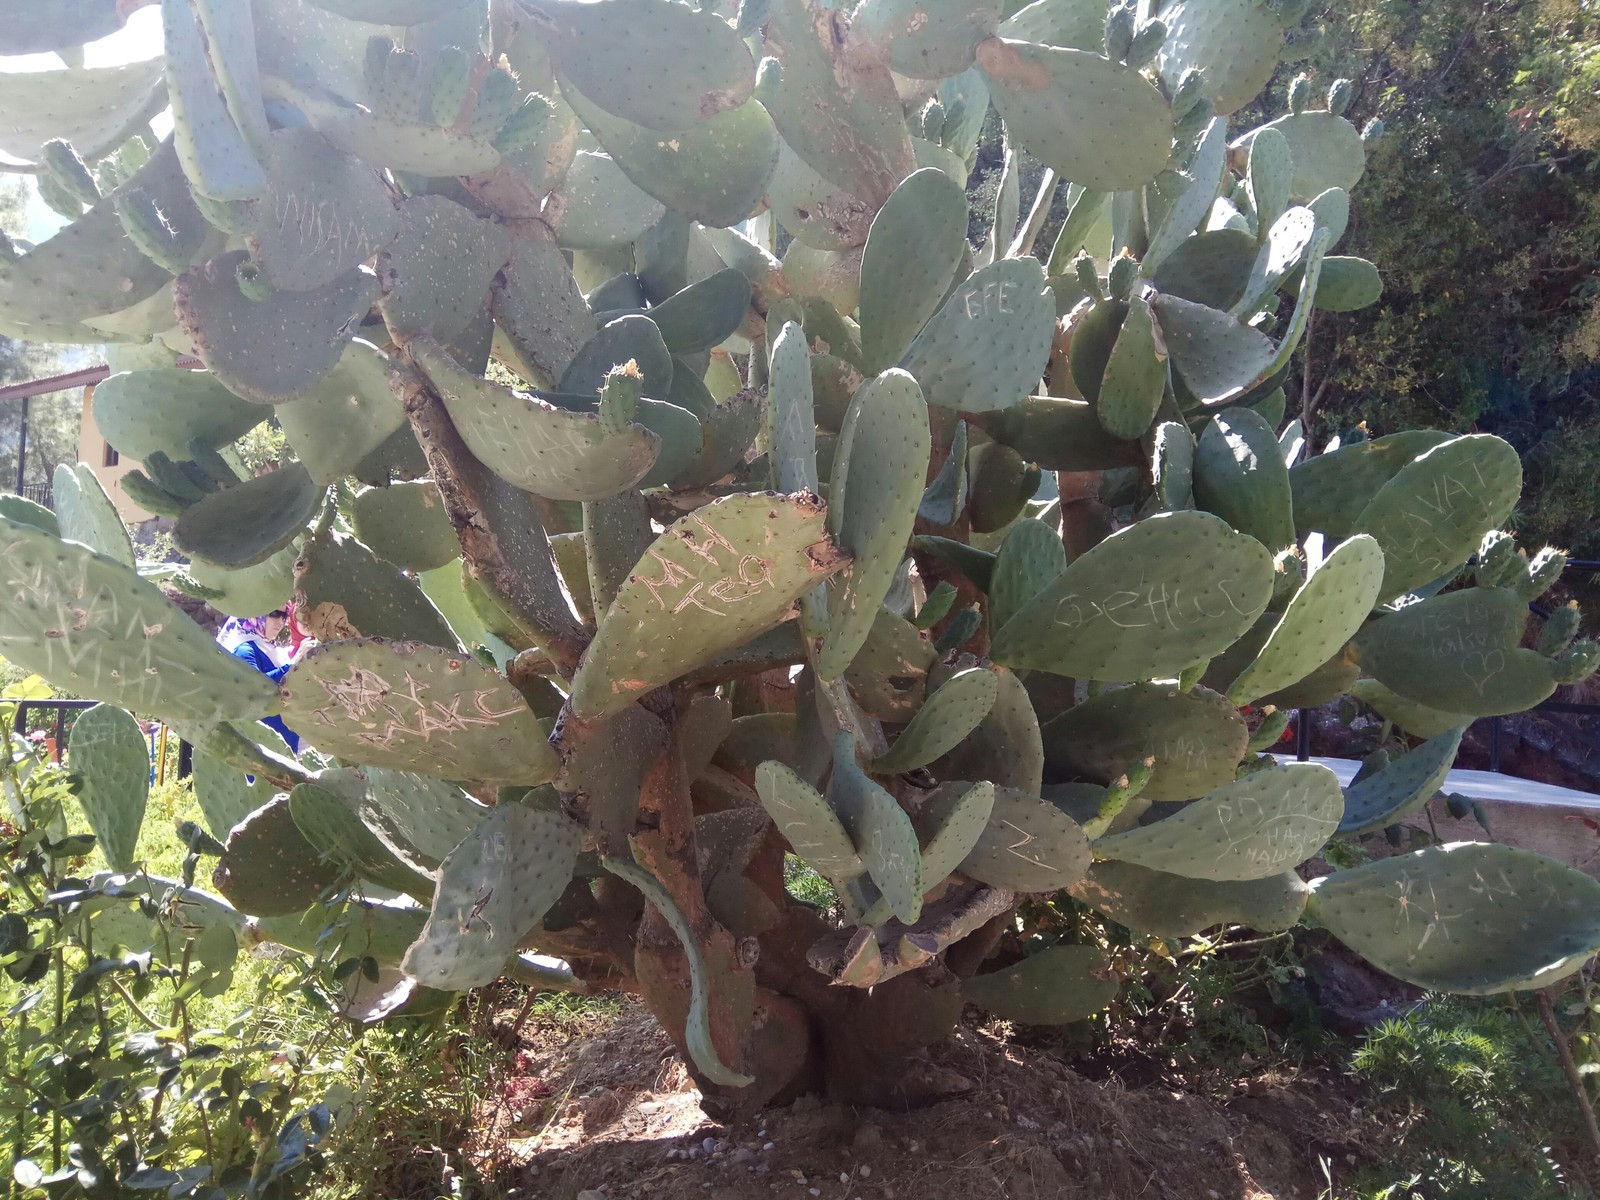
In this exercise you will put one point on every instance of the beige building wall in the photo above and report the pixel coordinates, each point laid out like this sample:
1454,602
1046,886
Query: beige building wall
107,465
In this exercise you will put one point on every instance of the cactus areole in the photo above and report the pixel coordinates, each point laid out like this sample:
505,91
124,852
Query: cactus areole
760,557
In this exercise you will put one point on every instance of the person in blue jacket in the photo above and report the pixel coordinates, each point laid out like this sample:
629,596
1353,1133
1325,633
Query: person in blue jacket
255,639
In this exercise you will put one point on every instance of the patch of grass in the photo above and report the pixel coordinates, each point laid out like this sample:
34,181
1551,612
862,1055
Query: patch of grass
1477,1107
806,886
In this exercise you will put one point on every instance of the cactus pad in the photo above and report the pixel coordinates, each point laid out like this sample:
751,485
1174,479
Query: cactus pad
406,524
1465,917
407,705
91,625
1196,739
1239,474
1403,786
1332,490
886,438
1251,828
1056,986
167,408
1327,611
1148,601
344,590
880,830
1435,510
438,269
1174,906
251,521
988,344
1029,845
491,890
85,513
913,251
718,576
268,869
945,719
111,759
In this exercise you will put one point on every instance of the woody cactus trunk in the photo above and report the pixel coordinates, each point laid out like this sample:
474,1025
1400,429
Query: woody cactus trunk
676,490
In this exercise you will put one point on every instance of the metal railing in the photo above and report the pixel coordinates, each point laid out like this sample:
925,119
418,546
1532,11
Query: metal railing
60,731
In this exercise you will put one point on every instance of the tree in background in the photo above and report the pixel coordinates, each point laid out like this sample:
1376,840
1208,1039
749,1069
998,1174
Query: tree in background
1486,181
52,419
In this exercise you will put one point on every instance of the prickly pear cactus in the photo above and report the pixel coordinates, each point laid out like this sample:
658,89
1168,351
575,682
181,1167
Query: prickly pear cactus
684,494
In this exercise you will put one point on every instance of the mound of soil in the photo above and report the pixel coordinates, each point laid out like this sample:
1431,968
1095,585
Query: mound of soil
610,1114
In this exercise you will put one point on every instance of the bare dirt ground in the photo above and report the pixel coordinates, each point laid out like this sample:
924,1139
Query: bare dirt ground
607,1112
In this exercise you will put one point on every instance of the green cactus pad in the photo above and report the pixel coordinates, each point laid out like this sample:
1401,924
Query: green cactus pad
704,314
398,145
216,154
1079,24
889,672
1196,738
1201,181
841,114
1151,599
1327,611
438,269
924,41
1419,720
809,823
1028,561
426,815
111,759
344,590
1006,747
406,523
661,66
22,511
712,581
268,869
93,108
1254,827
955,839
791,408
818,212
1056,986
1405,785
85,513
93,626
1038,89
248,591
988,345
1216,357
324,213
943,722
269,350
913,250
886,439
1029,845
880,830
538,306
1347,284
1212,268
697,1022
225,795
714,172
90,267
348,417
543,449
491,890
1458,651
634,337
1435,510
726,432
1327,152
1135,377
411,706
328,813
167,408
598,207
1234,43
1467,917
1332,490
1282,252
945,499
1060,435
1002,483
251,521
1172,468
1175,906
